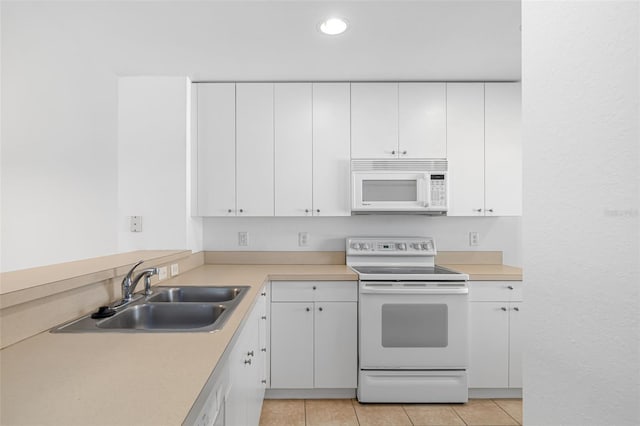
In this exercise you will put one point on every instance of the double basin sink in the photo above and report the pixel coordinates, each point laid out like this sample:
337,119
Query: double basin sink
167,309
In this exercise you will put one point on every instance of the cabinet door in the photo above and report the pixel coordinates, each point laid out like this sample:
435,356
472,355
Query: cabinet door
293,149
291,345
236,400
336,337
465,148
331,149
503,150
488,345
374,120
515,345
255,367
254,147
216,149
422,127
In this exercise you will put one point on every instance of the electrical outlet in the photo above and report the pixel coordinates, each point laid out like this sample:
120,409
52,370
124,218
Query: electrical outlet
135,223
175,270
162,273
243,238
303,239
474,238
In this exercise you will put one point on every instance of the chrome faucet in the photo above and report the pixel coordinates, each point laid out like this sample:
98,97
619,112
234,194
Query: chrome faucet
129,283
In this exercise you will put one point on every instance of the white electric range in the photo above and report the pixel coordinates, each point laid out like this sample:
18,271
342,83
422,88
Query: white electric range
412,321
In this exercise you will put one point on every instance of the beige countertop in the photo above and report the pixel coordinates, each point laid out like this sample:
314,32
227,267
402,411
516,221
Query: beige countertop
488,272
126,378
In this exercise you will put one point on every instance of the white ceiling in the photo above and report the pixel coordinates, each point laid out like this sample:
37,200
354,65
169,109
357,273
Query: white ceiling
264,40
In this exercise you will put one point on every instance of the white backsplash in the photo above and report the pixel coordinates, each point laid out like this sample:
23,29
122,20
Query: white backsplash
329,233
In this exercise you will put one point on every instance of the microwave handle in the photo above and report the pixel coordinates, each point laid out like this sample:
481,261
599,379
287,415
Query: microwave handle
426,189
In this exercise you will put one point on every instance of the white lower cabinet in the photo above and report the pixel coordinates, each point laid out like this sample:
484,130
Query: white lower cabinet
314,335
495,347
247,373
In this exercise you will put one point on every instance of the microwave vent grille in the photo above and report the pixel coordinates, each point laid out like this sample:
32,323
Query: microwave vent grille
400,165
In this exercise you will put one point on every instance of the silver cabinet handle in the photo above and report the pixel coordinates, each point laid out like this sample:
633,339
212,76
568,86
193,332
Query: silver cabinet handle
247,361
490,210
250,353
314,287
510,287
317,210
477,210
320,308
263,349
264,317
516,309
241,210
306,210
404,152
229,211
264,293
264,382
503,309
393,152
307,309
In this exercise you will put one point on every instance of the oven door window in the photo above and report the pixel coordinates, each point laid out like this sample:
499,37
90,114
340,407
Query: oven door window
389,190
414,325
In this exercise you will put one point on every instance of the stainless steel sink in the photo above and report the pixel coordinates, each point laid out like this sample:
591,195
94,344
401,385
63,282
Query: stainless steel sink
167,310
195,294
155,316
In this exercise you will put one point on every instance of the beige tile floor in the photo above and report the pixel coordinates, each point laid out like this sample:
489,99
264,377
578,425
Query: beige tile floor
349,412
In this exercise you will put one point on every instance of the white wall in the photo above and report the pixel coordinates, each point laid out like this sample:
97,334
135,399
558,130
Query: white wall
328,233
581,227
153,163
59,143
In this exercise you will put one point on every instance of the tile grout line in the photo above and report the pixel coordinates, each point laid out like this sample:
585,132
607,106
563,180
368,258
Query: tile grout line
407,414
458,414
506,412
355,411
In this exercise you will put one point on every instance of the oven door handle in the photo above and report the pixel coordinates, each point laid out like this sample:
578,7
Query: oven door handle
394,289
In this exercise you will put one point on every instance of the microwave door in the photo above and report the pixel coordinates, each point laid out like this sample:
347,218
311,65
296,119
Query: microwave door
388,192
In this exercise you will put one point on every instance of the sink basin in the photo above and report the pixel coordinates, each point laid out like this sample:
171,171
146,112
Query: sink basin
167,310
152,316
195,294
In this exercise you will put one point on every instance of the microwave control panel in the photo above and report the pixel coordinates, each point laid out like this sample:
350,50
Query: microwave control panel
438,190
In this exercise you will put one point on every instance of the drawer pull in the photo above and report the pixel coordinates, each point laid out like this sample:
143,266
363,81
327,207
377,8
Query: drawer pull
510,287
516,309
503,309
247,361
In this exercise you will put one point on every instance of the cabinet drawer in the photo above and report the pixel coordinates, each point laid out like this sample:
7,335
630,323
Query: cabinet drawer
495,291
314,291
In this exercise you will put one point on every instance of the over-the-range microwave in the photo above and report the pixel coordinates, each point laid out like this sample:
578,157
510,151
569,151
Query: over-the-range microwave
399,186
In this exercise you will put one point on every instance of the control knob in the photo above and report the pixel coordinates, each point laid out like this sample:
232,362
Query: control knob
425,246
401,246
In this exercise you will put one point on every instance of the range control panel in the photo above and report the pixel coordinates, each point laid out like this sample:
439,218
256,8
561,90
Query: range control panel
392,246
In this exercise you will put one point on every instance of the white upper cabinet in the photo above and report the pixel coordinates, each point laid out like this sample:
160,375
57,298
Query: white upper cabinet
503,150
374,120
254,149
484,149
216,149
422,119
293,149
331,150
465,148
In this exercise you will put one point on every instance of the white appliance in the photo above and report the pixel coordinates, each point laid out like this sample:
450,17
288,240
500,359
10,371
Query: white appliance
399,186
412,320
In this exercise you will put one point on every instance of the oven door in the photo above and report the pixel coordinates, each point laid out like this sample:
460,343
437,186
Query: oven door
413,325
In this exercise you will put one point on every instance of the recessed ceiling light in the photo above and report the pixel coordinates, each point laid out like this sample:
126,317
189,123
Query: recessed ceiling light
333,26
